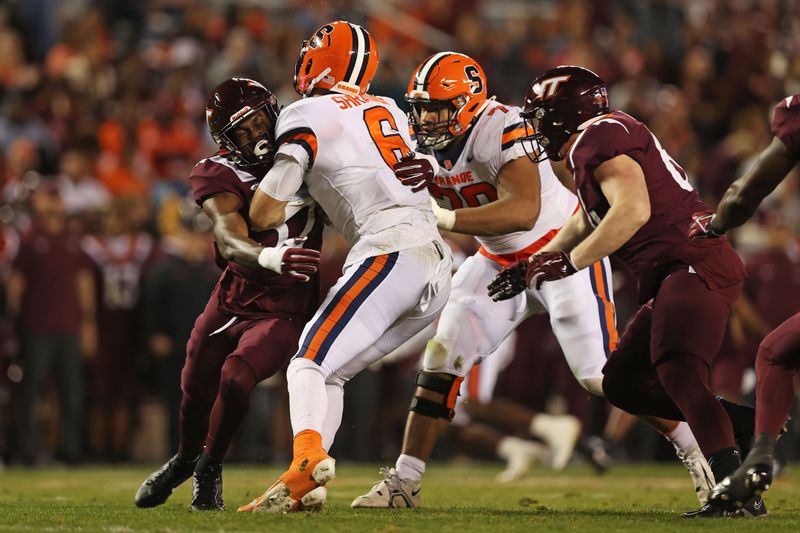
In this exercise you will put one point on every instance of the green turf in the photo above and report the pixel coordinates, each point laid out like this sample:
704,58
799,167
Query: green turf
456,498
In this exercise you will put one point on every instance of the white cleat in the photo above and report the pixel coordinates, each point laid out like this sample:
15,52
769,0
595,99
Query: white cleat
561,433
390,492
702,476
314,500
279,499
521,455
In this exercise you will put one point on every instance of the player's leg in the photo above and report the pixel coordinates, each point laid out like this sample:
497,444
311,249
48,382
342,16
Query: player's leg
777,362
264,347
209,344
685,304
630,383
368,299
477,401
470,324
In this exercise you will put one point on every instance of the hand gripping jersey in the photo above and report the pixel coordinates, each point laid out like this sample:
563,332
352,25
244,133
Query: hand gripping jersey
347,145
250,292
786,124
468,178
662,244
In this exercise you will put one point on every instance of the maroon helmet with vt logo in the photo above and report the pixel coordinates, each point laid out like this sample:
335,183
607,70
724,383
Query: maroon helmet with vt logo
241,115
558,103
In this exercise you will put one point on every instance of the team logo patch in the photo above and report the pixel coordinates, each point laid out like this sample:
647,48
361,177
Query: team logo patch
448,164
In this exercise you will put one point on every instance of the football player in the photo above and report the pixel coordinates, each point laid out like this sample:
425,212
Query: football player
339,143
778,357
265,295
637,204
486,186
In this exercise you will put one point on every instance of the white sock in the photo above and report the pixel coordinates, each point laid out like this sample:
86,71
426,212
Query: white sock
335,394
508,446
308,401
409,467
538,425
682,437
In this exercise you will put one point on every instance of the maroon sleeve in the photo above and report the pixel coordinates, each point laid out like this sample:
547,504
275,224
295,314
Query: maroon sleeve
605,139
209,178
786,124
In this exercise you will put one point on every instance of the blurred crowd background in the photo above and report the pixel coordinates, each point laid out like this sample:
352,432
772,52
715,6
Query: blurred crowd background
105,262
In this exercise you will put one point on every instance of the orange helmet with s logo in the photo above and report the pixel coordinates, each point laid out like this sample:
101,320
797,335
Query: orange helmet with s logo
451,82
340,56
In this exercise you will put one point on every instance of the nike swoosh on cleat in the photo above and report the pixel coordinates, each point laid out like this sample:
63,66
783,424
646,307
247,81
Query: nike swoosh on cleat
415,492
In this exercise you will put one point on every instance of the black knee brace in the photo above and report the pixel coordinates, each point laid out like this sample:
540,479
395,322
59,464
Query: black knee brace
446,385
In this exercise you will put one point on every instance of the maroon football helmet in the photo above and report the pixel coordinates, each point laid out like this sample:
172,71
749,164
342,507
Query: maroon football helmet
557,104
233,102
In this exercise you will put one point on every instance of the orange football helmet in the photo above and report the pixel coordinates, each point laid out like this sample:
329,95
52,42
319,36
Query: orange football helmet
445,81
340,56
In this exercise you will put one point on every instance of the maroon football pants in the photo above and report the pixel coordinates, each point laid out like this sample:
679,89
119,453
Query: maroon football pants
225,359
777,362
661,365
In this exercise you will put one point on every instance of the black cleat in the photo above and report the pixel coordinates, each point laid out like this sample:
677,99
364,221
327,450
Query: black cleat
159,485
706,511
207,485
594,450
753,509
744,485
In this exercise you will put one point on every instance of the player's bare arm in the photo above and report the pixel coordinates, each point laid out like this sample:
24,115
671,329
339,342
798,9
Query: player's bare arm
266,212
570,235
517,206
230,230
622,181
745,194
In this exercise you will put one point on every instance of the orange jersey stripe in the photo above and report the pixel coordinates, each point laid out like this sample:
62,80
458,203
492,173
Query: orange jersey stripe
512,135
327,326
474,382
309,138
608,307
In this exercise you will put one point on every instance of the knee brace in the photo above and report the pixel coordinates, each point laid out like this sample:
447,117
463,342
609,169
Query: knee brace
447,386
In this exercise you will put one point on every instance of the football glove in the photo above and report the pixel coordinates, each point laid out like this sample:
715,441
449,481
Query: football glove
544,266
702,226
291,259
416,170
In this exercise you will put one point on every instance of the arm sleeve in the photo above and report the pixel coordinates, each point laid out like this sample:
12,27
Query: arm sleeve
604,140
295,137
284,179
209,178
786,124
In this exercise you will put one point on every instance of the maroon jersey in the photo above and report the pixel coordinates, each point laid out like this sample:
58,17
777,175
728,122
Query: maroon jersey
119,262
786,124
50,264
661,245
251,292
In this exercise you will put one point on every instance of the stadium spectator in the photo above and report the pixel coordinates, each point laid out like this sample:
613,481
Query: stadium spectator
50,267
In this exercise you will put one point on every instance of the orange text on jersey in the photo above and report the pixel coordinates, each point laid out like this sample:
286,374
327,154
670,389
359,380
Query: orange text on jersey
346,102
455,179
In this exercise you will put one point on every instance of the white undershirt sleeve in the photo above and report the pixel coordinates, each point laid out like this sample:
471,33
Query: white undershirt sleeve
284,179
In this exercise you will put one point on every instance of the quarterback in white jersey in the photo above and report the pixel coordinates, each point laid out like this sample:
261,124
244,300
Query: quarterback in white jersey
338,144
487,187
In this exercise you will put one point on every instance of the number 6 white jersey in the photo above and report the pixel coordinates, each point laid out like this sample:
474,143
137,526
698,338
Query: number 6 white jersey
469,178
347,145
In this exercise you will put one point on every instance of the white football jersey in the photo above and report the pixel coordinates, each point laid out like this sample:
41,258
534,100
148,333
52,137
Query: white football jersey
347,145
471,180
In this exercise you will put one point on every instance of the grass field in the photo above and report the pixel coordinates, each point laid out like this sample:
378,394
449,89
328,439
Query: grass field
462,498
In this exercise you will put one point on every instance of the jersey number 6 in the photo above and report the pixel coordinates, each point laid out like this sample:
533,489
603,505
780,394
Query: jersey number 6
384,133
